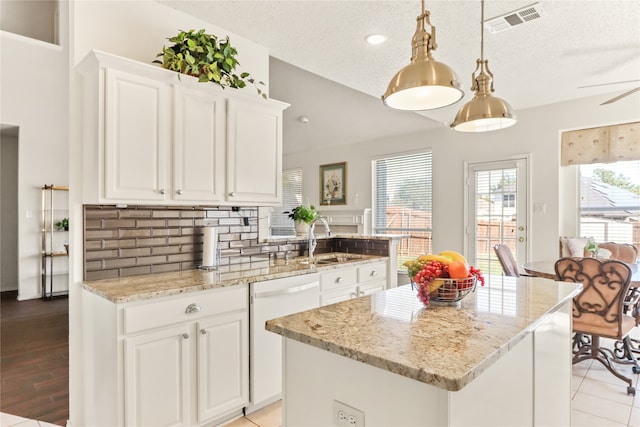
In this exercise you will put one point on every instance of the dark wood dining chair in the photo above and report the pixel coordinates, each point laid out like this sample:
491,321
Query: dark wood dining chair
598,312
507,260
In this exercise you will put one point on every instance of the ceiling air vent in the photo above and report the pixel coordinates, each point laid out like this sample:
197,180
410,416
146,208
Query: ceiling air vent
511,19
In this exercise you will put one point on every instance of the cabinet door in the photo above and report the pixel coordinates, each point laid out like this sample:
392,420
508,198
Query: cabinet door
254,151
136,134
198,168
157,378
223,364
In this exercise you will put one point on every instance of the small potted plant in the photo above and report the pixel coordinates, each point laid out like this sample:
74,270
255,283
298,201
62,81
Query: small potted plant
62,225
303,216
591,249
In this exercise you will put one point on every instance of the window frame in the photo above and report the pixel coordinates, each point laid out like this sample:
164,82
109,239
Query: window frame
402,230
283,224
605,235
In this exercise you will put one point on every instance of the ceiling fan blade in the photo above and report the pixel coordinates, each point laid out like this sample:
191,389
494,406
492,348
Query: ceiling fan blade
610,83
619,97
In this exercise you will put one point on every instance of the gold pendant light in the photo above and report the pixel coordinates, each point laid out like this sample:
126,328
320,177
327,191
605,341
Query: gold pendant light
424,84
484,112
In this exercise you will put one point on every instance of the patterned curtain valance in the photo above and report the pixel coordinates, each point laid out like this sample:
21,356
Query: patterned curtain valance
605,144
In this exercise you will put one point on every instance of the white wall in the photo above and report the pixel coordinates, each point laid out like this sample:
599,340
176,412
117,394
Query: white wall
537,133
8,213
34,18
35,98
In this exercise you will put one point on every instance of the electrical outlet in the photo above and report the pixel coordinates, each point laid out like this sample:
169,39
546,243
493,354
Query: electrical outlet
347,416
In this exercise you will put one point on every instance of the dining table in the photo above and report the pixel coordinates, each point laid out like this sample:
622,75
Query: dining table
546,269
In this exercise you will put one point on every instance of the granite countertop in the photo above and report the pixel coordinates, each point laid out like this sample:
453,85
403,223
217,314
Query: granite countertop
136,288
443,346
342,236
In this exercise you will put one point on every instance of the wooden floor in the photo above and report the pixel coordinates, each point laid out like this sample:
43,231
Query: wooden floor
34,358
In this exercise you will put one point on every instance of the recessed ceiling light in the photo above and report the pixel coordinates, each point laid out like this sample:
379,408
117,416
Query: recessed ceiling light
375,39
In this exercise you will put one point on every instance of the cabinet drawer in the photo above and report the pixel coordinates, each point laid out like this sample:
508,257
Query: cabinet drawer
337,278
370,272
183,308
339,295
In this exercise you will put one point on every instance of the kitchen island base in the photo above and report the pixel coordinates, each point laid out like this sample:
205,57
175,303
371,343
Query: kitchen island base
529,385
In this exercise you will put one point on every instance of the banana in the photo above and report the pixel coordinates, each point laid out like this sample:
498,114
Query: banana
434,286
434,257
455,256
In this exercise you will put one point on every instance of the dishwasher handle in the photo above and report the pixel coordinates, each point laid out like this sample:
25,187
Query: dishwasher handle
286,291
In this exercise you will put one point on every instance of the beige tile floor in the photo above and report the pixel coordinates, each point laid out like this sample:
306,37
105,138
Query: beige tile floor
269,416
8,420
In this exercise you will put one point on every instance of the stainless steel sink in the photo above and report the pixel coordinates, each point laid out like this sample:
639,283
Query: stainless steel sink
330,258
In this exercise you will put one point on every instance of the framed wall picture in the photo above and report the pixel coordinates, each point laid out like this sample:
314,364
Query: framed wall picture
333,184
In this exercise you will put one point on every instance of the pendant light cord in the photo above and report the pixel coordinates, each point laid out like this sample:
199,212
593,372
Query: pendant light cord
481,32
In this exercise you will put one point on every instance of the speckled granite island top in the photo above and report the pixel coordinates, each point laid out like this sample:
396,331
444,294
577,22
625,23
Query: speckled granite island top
136,288
440,345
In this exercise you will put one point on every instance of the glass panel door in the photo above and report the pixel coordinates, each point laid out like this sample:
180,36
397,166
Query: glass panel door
497,212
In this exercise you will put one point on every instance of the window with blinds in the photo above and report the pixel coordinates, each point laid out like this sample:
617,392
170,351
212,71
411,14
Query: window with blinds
402,201
610,202
281,224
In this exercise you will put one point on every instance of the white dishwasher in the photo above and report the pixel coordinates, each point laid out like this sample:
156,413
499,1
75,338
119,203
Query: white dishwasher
270,299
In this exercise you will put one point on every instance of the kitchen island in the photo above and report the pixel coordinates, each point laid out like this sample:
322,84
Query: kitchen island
501,357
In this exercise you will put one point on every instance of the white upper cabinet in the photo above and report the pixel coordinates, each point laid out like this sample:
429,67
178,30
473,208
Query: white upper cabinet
136,136
254,151
152,136
198,146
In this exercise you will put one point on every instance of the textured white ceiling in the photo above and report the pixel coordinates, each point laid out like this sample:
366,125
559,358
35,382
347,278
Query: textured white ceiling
576,43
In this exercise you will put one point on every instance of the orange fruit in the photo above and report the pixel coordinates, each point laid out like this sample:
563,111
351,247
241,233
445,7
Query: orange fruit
458,270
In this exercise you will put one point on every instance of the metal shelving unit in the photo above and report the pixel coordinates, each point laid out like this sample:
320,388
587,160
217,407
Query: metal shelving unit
54,270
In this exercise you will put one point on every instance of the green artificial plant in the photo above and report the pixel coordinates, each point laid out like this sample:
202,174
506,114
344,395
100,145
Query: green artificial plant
303,213
63,224
591,247
206,57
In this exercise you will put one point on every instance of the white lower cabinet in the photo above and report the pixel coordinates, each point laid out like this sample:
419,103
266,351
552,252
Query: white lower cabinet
223,365
157,378
351,282
174,361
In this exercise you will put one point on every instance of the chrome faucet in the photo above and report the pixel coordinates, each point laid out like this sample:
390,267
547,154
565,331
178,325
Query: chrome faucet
313,242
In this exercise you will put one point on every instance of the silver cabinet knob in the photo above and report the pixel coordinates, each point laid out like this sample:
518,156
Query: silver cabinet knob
162,191
353,295
179,192
374,273
203,331
185,336
339,280
192,308
232,194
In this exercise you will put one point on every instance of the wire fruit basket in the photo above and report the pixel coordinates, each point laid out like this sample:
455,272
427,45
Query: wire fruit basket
449,291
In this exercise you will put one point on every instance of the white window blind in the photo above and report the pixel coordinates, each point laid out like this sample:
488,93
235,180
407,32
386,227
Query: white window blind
610,202
403,201
281,224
